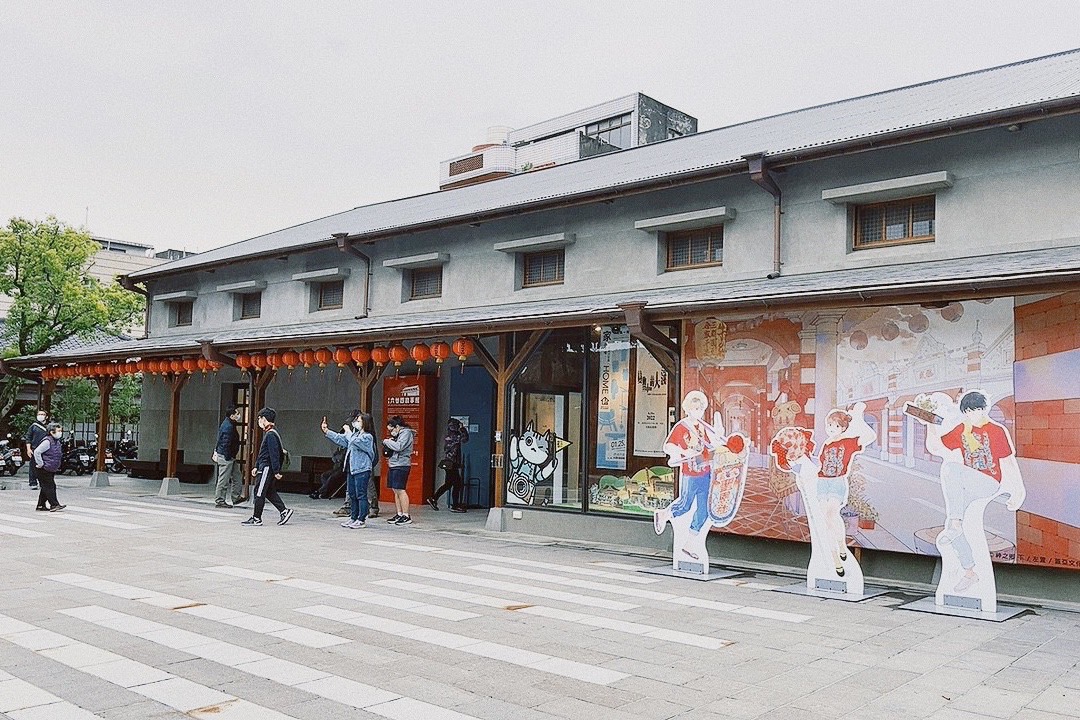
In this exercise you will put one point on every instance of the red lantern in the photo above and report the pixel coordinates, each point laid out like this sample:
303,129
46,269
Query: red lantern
190,365
290,358
323,357
215,365
46,373
360,355
203,364
176,365
141,366
102,370
380,355
273,359
398,354
342,357
258,361
421,353
463,348
243,361
307,357
440,351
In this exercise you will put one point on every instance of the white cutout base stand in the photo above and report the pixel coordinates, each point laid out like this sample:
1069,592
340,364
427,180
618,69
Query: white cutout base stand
683,563
668,571
99,479
169,486
967,610
832,590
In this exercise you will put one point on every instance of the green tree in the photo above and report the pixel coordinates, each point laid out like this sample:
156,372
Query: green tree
44,271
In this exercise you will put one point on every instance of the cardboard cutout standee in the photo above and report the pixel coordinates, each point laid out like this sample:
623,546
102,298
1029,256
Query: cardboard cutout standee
712,477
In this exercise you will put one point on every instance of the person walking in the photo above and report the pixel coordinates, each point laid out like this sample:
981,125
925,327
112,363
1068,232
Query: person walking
453,466
400,445
48,454
34,435
228,467
358,439
268,469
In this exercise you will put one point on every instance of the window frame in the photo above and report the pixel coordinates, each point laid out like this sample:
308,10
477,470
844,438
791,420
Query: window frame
674,236
175,311
416,274
242,300
528,258
911,203
320,293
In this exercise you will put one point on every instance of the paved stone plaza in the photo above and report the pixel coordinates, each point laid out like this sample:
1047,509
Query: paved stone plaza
126,605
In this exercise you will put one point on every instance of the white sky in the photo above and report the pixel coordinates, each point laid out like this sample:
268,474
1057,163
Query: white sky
195,124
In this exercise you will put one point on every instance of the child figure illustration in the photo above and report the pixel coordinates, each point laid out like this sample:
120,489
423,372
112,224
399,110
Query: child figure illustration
978,464
712,477
823,483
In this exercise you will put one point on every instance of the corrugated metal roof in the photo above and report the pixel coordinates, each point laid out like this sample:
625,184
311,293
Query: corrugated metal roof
1030,83
875,285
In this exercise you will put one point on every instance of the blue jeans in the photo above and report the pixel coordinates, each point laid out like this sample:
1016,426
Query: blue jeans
358,495
695,492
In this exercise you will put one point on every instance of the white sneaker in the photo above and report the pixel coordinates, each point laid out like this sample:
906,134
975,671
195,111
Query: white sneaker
357,524
347,524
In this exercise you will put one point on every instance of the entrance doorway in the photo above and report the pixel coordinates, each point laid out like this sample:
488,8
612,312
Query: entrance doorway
472,400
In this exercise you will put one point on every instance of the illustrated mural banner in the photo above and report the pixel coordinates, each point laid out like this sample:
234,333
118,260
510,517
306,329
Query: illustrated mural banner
612,397
650,406
974,407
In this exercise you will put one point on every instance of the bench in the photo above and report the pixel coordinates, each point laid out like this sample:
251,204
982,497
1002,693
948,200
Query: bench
196,473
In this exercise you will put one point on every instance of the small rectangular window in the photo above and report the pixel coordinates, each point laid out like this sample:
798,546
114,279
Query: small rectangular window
543,268
331,295
425,283
250,305
894,223
181,312
695,248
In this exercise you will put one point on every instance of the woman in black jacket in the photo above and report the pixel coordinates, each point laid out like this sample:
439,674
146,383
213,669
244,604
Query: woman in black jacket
452,463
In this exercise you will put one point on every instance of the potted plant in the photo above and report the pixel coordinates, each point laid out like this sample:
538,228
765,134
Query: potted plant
857,501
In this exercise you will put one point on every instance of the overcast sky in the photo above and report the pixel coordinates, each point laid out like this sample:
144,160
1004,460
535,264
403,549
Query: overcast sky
195,124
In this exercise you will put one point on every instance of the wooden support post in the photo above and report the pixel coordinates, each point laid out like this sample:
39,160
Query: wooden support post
100,478
663,348
45,393
366,377
176,384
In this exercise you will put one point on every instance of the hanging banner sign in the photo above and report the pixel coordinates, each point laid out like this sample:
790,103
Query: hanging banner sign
613,392
650,406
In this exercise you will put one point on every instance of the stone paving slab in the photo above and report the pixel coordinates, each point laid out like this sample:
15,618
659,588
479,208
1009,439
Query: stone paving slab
789,657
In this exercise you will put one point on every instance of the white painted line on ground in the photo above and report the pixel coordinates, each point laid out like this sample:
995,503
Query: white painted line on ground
172,508
23,701
572,598
284,672
473,598
497,651
20,520
362,596
572,569
180,515
632,628
81,509
236,618
99,521
22,532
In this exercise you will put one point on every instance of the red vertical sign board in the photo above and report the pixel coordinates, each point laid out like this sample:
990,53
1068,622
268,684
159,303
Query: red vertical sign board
413,398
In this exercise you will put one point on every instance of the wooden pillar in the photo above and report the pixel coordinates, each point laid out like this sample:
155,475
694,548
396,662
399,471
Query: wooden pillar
366,377
260,380
176,384
45,393
105,386
504,370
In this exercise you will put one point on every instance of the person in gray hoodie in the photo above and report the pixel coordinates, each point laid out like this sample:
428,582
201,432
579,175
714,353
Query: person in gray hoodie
358,439
400,447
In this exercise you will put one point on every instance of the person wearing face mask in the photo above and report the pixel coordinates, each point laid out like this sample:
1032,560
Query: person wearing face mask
34,435
358,439
268,469
48,455
400,445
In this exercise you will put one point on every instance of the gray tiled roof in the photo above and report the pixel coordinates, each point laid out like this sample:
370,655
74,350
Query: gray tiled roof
1028,84
876,285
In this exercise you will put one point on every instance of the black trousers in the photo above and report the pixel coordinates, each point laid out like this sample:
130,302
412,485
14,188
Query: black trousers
455,484
47,492
33,471
264,490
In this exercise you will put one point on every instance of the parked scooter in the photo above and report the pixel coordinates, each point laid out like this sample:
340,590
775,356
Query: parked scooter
112,464
76,460
126,449
11,459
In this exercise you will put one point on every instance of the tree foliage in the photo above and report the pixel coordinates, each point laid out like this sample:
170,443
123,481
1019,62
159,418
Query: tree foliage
44,271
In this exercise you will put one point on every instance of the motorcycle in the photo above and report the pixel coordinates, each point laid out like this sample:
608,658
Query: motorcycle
126,449
76,460
11,459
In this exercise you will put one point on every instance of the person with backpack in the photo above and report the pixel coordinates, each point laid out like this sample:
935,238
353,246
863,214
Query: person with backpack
358,439
48,454
268,467
332,478
452,464
399,449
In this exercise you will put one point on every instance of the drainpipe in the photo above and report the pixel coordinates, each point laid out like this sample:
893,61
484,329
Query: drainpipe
763,177
128,284
346,246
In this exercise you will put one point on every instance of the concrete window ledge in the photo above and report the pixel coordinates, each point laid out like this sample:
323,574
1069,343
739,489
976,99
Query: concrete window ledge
693,220
243,287
413,262
892,189
312,276
536,243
